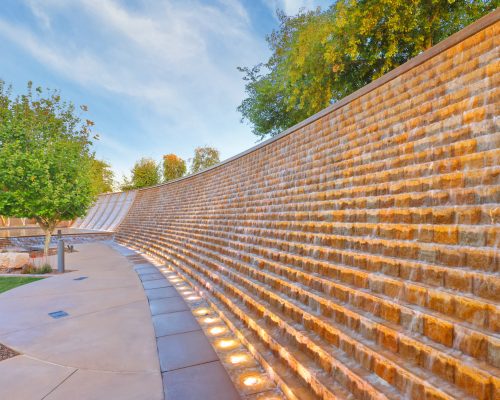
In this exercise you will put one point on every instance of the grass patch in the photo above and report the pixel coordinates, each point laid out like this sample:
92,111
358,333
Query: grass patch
10,282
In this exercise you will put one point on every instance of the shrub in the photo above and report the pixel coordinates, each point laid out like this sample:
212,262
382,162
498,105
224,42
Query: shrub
44,269
31,269
28,269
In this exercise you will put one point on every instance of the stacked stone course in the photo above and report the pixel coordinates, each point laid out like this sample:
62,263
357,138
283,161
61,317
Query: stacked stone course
360,252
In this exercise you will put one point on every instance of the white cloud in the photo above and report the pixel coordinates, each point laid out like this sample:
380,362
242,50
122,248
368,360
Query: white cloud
173,63
169,65
37,10
292,7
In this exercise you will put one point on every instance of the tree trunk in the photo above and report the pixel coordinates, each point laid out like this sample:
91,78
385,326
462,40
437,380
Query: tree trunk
48,236
48,228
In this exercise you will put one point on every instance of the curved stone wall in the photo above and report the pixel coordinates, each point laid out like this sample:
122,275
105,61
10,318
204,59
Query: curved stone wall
358,252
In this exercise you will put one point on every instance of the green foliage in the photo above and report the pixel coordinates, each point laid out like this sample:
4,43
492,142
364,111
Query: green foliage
146,172
102,177
204,157
173,167
31,269
10,282
45,158
319,57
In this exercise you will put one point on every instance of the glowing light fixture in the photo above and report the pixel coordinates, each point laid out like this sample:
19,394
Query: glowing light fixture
193,297
238,358
217,330
226,343
251,380
201,311
210,320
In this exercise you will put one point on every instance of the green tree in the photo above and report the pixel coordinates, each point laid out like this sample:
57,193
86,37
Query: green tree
45,158
319,57
173,167
146,172
204,157
102,177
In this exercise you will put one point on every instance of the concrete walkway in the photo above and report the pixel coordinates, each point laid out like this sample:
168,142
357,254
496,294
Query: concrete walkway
104,349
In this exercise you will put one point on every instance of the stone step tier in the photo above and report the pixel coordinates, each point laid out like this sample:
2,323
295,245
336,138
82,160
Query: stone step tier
359,252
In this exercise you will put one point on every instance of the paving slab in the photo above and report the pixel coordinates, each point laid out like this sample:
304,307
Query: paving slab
91,385
173,323
147,270
151,277
104,340
161,293
25,378
184,350
155,284
167,305
207,381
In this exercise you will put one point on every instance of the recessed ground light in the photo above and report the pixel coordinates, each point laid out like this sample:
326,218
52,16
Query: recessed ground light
226,343
193,297
217,330
238,358
210,320
251,380
202,311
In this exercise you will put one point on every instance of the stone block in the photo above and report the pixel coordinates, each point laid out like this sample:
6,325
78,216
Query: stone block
471,236
440,302
438,330
13,260
390,312
446,235
385,371
474,382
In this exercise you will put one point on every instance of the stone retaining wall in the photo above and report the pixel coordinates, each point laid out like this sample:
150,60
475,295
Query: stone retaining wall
360,250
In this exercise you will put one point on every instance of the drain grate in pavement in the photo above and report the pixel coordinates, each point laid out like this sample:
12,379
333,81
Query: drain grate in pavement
81,278
58,314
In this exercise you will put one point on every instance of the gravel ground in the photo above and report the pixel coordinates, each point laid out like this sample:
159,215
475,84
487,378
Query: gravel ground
5,352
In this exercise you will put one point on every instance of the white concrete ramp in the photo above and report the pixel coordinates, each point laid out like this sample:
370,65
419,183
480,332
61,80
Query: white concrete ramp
107,212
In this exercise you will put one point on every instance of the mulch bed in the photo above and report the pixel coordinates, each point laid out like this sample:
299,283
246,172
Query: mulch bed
5,352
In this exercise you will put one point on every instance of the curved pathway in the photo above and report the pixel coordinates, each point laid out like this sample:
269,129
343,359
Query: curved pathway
105,348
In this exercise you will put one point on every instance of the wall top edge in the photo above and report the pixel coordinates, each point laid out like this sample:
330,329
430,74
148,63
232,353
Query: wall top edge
437,49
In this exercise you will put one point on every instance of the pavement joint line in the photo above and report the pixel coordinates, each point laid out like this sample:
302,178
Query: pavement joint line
171,312
108,371
64,294
178,333
190,366
70,317
60,383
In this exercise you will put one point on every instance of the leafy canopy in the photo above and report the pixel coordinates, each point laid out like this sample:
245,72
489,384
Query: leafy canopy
319,57
145,172
173,167
204,157
102,177
45,157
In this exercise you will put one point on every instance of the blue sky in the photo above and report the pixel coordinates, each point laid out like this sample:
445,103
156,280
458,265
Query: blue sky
158,76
